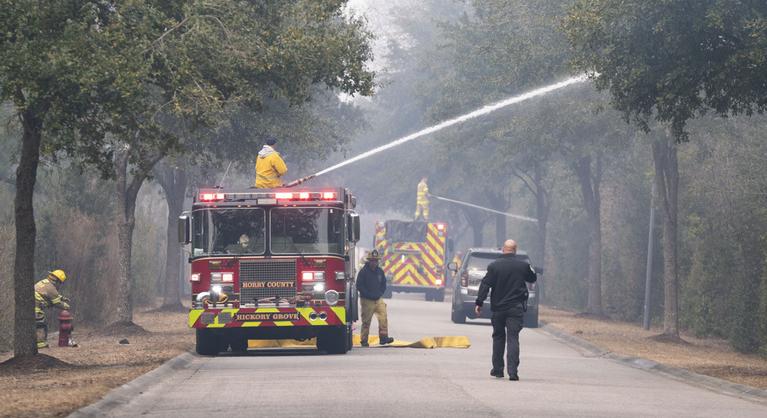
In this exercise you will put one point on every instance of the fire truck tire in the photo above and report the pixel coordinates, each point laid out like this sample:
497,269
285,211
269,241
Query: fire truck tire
333,340
457,316
239,344
349,338
428,296
439,295
207,344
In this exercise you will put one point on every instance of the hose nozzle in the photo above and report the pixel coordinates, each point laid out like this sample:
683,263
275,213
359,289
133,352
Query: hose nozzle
299,181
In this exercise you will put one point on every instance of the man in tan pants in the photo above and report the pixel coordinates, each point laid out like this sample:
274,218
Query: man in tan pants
371,283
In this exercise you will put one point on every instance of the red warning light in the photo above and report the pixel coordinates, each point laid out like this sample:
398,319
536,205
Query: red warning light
283,196
303,195
211,197
328,195
441,227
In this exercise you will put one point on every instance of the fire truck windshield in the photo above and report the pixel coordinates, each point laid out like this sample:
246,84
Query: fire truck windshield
228,231
307,231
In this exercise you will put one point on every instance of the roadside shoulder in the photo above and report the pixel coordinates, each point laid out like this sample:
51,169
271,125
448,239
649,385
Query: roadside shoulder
125,393
707,382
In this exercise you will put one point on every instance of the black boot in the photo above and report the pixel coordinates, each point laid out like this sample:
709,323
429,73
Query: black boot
386,340
498,373
364,343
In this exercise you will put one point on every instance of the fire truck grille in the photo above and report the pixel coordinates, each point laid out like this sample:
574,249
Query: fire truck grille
267,279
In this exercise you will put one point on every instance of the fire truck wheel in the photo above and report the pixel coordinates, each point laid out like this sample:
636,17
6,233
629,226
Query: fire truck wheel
239,344
439,295
349,338
457,316
333,340
428,296
207,343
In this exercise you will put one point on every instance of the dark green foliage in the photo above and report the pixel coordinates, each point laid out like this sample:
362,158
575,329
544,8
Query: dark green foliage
674,60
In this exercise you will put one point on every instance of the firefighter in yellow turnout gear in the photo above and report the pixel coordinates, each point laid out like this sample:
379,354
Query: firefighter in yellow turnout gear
47,295
269,166
422,201
371,283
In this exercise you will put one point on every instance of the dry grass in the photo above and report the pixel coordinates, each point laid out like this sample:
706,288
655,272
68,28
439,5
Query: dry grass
74,377
709,356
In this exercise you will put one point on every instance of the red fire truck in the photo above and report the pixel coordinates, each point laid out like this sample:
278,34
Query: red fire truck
272,264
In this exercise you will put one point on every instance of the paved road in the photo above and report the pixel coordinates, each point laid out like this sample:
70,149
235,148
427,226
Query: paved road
557,380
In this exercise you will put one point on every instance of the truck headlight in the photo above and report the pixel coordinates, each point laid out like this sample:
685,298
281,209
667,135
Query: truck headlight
319,287
331,297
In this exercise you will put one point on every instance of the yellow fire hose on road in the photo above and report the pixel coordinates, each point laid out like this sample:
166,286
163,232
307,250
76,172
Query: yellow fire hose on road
428,342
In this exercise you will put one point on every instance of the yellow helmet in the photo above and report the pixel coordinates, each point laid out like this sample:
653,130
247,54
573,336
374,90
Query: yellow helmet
59,274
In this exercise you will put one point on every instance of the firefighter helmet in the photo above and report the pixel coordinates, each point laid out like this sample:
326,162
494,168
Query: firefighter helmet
59,274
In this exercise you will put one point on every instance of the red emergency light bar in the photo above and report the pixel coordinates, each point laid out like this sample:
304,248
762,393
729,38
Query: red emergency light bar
211,197
304,195
208,196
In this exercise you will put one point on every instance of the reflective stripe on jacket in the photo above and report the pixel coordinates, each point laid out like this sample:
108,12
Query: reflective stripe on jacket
47,295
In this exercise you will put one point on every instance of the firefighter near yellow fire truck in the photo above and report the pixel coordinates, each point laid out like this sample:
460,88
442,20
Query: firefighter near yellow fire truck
269,166
422,201
46,296
371,283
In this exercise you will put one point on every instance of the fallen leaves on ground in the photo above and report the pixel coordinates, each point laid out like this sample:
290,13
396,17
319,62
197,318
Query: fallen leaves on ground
708,356
63,379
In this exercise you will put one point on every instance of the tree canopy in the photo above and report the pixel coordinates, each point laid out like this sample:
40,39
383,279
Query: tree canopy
673,60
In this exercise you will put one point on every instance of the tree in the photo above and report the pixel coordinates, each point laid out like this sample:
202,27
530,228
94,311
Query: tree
667,61
54,74
215,61
113,86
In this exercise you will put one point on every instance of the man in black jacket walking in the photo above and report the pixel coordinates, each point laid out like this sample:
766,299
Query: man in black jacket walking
507,277
371,283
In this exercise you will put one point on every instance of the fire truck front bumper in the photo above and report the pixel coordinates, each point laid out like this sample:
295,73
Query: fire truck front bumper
267,317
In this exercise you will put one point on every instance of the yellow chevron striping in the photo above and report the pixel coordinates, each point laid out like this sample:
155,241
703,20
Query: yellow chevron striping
194,315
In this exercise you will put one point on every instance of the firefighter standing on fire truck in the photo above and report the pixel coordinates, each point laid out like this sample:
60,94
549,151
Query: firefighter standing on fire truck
47,295
371,283
422,201
269,166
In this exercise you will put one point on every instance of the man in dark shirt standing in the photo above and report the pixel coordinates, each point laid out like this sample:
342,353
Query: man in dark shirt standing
371,283
507,277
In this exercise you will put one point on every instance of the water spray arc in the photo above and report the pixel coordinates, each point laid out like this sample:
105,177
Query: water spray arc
471,205
448,123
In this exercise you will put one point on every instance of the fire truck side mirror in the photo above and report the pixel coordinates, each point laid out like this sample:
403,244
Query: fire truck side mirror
183,229
354,227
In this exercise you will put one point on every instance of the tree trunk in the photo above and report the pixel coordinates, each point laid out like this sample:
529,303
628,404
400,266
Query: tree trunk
24,340
174,182
499,202
590,182
542,213
477,223
500,229
667,183
127,192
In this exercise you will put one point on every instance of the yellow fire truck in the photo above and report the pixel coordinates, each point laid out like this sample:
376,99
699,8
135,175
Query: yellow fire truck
413,256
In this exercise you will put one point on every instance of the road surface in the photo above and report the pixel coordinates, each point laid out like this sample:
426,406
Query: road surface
556,381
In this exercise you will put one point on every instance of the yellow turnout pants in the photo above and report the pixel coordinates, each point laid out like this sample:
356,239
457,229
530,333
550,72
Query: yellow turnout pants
370,307
422,211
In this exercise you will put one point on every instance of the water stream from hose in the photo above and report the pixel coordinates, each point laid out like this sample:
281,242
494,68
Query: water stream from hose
457,120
